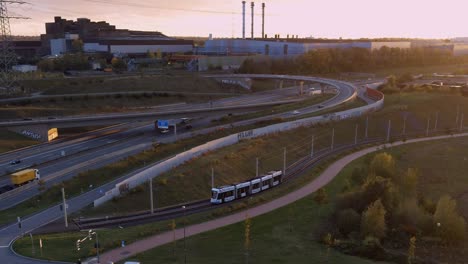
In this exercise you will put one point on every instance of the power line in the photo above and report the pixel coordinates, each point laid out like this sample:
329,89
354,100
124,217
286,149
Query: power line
7,52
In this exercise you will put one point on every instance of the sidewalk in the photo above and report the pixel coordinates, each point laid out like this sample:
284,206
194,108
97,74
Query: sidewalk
329,174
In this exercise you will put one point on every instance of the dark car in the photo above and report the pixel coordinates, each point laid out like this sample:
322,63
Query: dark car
189,126
14,162
320,106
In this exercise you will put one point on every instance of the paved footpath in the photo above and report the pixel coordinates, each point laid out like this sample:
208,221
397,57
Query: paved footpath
326,176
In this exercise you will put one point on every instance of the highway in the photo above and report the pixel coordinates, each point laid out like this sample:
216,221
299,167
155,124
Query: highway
59,170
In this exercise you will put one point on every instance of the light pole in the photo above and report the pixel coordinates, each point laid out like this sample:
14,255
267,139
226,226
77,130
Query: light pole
90,237
185,245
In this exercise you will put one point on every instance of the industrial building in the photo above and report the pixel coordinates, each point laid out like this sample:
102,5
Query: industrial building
103,37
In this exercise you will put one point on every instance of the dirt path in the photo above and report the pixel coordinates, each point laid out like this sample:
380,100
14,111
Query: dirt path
326,176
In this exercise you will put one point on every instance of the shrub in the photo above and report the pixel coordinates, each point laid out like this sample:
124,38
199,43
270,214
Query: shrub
373,221
348,221
449,225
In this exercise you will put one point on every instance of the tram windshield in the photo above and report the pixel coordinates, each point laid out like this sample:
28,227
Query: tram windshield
214,194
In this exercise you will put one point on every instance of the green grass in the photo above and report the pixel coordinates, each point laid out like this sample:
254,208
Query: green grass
62,246
237,163
275,109
11,141
80,182
297,244
162,82
66,105
260,85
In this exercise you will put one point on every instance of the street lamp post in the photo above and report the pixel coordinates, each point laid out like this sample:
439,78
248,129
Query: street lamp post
185,247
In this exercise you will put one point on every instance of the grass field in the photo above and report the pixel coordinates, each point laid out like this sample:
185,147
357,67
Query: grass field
66,106
237,163
293,230
177,82
62,246
11,141
154,85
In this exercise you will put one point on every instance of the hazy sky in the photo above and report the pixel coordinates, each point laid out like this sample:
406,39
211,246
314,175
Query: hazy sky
223,18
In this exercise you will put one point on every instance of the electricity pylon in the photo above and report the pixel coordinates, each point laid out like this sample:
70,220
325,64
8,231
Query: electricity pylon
7,52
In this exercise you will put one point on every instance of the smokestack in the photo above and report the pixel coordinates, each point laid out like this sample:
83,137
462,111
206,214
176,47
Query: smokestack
252,29
243,19
263,20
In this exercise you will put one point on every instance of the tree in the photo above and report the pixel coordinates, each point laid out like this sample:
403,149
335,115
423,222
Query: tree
450,226
150,54
383,165
247,225
409,182
321,197
348,221
411,249
118,64
77,45
373,221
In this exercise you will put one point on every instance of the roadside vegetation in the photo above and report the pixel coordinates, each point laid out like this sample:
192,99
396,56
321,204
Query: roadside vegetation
237,163
11,141
299,231
85,104
329,61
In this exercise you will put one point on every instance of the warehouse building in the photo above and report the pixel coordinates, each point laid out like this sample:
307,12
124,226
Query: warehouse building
103,37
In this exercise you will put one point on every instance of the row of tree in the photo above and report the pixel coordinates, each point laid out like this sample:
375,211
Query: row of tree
379,204
351,60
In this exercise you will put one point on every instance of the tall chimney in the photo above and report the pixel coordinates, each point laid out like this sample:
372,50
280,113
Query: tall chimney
263,20
243,19
252,29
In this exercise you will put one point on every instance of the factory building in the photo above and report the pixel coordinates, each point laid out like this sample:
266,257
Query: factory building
103,37
286,47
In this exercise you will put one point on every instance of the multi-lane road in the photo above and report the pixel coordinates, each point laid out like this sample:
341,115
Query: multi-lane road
94,152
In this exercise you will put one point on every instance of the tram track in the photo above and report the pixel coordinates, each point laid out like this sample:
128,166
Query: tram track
293,171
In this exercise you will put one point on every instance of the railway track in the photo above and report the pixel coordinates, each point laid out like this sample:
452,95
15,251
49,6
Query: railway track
170,212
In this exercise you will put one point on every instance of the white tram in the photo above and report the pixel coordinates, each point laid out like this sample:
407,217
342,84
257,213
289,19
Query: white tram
229,193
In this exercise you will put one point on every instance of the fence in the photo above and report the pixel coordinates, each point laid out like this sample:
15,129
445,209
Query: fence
179,159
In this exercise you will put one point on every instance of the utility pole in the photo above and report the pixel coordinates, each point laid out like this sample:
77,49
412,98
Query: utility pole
427,127
367,125
389,128
436,120
64,207
151,195
33,250
256,167
175,131
461,122
312,148
456,118
333,138
404,124
212,178
355,135
7,52
284,162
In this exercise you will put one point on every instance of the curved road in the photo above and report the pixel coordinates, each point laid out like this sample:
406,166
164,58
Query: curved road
328,175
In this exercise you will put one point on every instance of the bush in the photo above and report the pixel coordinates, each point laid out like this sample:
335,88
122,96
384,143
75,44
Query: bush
348,221
373,221
449,225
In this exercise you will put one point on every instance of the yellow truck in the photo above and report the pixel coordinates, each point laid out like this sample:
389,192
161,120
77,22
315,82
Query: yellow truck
22,177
